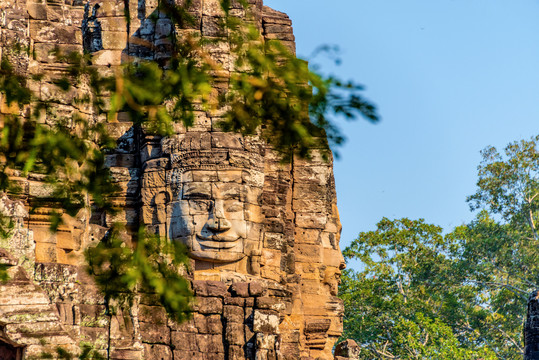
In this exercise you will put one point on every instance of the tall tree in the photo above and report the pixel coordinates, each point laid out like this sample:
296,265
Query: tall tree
470,286
509,185
498,250
406,302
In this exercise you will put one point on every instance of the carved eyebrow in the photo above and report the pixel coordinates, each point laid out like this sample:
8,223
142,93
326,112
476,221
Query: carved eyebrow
196,192
235,191
196,195
232,194
237,206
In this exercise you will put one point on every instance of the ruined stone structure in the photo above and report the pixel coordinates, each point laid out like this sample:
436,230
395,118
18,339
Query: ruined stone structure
263,236
531,328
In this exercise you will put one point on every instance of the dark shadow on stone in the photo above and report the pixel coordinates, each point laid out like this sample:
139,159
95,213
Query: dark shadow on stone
10,352
92,39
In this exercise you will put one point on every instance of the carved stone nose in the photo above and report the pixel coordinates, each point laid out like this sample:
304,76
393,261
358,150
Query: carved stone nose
218,224
217,221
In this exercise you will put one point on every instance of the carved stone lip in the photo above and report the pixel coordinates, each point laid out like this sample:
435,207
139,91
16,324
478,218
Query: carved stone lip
216,256
215,243
218,238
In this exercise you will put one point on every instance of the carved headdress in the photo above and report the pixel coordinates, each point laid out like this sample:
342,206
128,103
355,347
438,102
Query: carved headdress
214,151
217,159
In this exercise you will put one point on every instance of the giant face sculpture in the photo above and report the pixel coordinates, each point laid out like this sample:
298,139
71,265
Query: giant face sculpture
216,211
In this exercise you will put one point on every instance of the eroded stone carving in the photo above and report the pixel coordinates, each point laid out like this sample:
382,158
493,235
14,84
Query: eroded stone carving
347,350
217,213
263,236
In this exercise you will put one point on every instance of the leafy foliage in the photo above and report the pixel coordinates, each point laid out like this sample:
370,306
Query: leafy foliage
11,84
154,266
510,187
468,288
495,267
4,276
407,302
291,103
87,352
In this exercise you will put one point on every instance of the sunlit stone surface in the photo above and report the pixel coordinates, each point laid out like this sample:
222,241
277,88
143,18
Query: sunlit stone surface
263,236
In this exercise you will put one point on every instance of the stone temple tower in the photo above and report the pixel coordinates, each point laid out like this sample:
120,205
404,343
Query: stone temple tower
263,237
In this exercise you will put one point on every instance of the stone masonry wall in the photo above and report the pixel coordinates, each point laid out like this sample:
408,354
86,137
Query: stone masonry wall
271,296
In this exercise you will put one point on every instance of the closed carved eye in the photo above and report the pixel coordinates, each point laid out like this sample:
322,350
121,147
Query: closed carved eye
200,204
235,207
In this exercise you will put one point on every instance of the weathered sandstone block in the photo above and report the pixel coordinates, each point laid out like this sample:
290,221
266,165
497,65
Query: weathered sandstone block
263,237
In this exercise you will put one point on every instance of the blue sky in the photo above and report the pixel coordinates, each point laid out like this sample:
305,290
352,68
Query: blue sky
449,77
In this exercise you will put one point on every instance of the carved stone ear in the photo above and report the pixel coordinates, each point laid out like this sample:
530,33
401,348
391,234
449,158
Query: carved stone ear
316,332
162,198
255,258
159,202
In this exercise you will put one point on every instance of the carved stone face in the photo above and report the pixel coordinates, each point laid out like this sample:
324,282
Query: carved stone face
216,214
332,279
